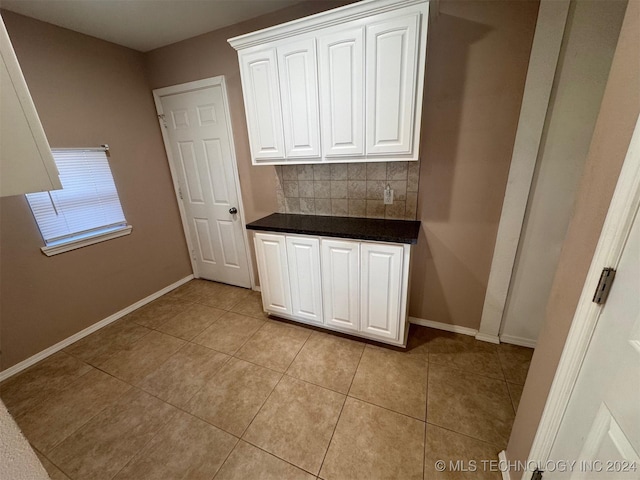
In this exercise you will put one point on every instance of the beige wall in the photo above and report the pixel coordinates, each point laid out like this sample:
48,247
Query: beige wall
87,92
477,60
210,55
614,127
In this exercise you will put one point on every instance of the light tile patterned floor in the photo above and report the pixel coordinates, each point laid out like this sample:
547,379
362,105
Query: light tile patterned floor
200,384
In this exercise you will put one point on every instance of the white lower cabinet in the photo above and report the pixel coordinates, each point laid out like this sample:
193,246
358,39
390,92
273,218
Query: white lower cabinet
380,290
340,283
303,254
271,252
352,286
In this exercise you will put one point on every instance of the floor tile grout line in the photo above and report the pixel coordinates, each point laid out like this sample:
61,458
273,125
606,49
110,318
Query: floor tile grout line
58,443
246,429
226,458
465,435
144,447
466,371
276,456
52,462
61,389
335,427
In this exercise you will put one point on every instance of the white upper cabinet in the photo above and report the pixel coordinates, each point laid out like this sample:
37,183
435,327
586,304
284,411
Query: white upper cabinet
347,87
299,93
390,90
26,161
341,93
259,73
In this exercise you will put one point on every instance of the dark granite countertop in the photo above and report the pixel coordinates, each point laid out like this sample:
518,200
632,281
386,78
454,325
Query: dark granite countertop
374,229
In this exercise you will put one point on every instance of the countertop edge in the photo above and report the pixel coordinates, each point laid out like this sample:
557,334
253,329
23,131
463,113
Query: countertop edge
340,233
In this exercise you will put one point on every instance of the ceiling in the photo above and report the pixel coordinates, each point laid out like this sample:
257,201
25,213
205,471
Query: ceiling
143,24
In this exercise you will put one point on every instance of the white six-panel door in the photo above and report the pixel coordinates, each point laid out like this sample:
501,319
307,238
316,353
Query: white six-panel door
391,47
271,253
198,141
303,254
262,104
340,283
380,289
341,60
299,94
601,426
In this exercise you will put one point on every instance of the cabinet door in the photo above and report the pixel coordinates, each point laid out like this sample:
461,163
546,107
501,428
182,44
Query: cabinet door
391,83
26,161
303,254
299,92
262,104
271,253
381,287
340,283
341,91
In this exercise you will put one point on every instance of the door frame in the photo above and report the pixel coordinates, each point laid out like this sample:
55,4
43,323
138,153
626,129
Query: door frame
613,238
158,93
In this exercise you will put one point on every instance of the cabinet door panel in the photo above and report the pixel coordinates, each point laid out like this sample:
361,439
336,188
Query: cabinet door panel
303,254
271,253
299,92
262,104
340,283
391,85
381,287
341,83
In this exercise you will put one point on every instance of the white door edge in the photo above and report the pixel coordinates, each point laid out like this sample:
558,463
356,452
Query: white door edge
158,93
617,226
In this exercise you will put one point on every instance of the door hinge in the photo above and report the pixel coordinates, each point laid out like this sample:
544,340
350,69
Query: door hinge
604,285
537,475
163,120
180,192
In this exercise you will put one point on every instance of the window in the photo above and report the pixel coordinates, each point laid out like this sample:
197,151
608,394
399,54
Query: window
87,210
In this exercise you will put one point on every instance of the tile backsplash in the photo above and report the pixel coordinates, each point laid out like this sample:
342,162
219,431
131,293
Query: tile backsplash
349,189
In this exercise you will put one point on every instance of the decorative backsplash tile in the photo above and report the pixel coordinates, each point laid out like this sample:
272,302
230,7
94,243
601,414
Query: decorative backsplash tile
349,189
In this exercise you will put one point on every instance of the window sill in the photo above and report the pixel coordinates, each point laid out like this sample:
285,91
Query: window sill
50,250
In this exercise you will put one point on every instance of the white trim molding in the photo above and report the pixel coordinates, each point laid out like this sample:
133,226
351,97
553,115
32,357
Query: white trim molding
622,211
443,326
503,463
550,27
513,340
50,250
329,18
18,367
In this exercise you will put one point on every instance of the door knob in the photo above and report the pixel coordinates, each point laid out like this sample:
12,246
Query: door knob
233,210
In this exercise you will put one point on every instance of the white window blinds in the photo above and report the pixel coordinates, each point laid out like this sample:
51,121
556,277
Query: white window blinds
87,205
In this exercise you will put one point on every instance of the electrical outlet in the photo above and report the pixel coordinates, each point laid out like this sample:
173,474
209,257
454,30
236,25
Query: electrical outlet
388,196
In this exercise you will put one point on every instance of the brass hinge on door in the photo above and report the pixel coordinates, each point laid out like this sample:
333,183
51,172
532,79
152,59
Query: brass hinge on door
163,120
604,285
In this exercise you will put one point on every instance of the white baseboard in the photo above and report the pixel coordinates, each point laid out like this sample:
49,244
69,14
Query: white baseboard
502,459
444,326
256,288
485,337
523,342
18,367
